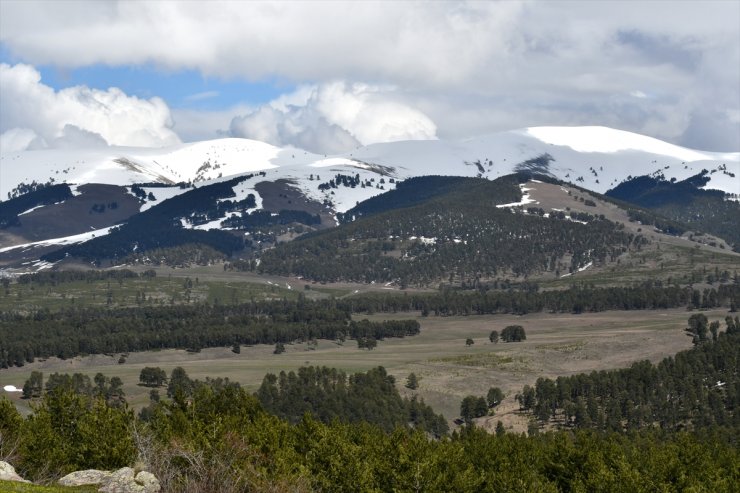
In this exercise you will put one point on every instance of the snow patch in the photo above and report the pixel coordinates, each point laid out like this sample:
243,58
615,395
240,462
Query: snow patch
526,199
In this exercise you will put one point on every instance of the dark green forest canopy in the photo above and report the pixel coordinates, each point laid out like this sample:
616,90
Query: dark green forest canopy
68,333
328,394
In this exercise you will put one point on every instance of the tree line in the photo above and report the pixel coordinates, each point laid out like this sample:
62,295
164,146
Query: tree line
72,332
576,299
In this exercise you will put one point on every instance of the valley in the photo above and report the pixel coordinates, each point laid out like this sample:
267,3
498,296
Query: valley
448,370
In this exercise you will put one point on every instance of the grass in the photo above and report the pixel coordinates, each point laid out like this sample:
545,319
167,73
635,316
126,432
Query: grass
17,487
163,290
485,360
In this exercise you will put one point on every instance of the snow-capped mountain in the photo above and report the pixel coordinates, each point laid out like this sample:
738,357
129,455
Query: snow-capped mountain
597,158
230,179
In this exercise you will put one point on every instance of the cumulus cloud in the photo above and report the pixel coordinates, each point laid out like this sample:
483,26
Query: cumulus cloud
473,67
334,117
76,116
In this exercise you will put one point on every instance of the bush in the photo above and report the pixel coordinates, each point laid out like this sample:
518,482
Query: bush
513,333
70,431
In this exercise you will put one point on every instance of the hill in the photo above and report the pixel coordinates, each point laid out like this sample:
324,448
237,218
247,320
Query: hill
711,211
471,231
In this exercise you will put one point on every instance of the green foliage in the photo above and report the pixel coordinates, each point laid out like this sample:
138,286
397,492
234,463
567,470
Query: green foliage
72,332
493,337
494,397
412,382
16,487
180,383
34,385
329,394
152,376
513,333
473,407
10,427
221,439
698,328
69,431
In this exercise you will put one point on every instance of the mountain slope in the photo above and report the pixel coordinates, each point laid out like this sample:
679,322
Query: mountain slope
299,185
709,211
471,233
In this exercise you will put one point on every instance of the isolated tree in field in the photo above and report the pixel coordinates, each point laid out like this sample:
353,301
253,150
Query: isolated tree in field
152,376
369,343
493,337
236,348
698,328
513,333
412,382
494,397
279,348
469,341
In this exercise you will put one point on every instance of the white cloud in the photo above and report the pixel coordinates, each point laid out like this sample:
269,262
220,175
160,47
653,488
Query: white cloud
473,67
334,117
77,116
18,139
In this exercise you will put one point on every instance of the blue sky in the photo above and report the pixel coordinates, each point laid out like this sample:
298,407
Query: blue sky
329,75
180,89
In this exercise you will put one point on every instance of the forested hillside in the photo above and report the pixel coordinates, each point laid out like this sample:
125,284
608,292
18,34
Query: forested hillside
709,211
461,234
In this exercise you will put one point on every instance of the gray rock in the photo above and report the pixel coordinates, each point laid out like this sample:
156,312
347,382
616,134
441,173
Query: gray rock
81,478
149,481
123,480
7,473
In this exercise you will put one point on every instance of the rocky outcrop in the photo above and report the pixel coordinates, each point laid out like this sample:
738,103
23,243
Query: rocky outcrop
87,477
124,480
7,473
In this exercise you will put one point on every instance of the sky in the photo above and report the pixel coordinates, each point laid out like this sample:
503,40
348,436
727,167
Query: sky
330,76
